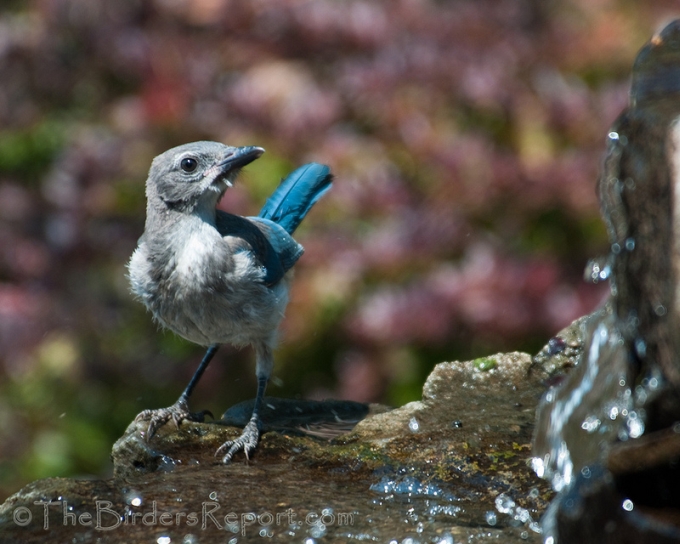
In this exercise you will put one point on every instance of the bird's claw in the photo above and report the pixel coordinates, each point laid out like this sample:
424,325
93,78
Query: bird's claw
178,412
246,442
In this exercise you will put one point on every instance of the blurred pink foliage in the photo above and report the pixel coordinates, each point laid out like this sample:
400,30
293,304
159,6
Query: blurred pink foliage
465,138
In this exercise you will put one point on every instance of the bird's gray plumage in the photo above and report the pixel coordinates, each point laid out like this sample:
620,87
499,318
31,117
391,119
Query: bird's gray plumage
213,277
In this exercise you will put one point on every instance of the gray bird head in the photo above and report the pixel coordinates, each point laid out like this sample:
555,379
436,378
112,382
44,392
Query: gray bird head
196,175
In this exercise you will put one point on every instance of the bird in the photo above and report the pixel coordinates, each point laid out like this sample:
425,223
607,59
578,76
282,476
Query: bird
217,278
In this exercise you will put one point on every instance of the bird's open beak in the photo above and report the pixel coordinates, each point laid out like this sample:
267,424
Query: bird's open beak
240,157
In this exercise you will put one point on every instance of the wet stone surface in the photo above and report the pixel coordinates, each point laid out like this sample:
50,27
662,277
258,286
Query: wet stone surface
453,467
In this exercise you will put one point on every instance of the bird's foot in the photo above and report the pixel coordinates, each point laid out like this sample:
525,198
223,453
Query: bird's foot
246,442
178,412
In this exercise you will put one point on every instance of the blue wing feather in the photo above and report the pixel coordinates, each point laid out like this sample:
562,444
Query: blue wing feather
296,195
286,249
268,236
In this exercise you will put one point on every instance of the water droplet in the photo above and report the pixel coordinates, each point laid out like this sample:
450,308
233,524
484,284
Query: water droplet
189,539
628,505
630,183
133,498
616,248
636,426
538,466
591,424
585,472
163,540
660,310
491,517
629,244
213,496
504,504
166,463
522,514
640,395
413,425
605,273
596,271
318,530
640,348
613,136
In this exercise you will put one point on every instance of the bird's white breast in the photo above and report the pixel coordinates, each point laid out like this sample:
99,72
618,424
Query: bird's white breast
193,256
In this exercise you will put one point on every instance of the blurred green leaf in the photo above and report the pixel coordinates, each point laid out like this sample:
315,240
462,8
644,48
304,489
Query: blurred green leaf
28,152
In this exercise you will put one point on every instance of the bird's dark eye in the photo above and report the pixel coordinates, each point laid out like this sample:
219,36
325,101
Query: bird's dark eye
188,164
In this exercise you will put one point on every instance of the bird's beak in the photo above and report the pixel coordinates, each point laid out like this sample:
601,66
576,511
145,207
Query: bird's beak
238,158
227,169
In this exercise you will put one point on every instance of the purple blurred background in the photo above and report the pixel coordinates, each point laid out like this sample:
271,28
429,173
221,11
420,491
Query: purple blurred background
465,137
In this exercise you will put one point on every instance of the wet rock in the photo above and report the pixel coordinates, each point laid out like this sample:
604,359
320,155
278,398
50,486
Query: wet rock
563,351
450,467
606,437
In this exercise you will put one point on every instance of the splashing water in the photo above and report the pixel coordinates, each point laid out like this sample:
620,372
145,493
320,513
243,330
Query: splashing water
592,408
412,487
518,515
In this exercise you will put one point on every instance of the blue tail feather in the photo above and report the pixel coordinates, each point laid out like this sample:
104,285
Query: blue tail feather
296,195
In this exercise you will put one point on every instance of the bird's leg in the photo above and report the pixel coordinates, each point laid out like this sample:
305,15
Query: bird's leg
180,410
251,432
